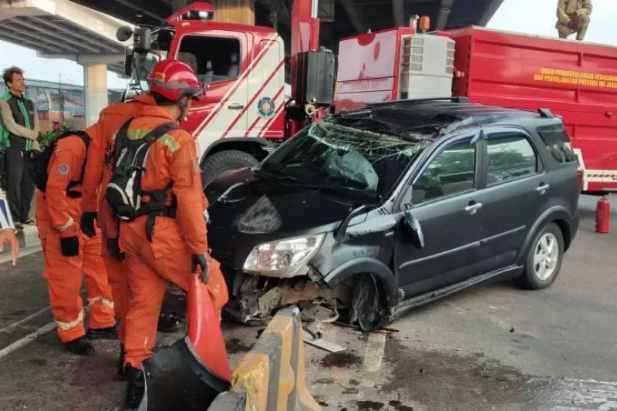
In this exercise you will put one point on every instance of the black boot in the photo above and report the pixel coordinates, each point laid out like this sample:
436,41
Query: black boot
169,323
173,311
121,366
108,333
136,388
80,346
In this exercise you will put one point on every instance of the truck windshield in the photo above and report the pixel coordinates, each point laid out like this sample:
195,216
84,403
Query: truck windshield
345,159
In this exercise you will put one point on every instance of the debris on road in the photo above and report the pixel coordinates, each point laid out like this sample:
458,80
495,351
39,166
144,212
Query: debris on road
319,342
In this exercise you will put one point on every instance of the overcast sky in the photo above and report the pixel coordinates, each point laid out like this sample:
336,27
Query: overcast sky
528,16
539,17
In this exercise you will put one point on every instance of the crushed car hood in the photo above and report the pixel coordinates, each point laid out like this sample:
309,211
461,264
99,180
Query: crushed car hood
247,210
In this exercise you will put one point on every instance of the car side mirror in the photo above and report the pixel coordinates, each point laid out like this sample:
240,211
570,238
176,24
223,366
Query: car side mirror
414,229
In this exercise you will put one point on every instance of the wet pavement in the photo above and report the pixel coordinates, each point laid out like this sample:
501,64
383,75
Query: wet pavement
495,347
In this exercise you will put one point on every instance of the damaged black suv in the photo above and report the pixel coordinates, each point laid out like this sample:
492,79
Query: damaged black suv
372,212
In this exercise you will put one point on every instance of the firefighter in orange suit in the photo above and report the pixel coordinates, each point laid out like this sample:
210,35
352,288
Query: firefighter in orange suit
69,255
176,246
96,177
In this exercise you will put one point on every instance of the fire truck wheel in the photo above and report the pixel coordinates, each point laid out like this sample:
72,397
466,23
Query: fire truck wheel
218,163
543,258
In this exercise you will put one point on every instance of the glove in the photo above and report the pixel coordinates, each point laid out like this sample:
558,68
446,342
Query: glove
113,248
87,223
200,260
69,246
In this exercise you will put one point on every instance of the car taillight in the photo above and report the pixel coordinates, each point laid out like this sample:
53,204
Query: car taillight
579,179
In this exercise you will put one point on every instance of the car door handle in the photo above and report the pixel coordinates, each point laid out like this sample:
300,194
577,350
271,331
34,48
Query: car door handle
235,106
473,207
543,188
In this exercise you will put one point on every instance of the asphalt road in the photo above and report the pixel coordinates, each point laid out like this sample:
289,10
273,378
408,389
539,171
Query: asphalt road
491,348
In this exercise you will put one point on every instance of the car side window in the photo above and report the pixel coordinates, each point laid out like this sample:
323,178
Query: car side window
451,171
510,157
558,143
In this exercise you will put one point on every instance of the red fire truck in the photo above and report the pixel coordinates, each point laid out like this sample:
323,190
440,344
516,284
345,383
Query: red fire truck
248,105
575,80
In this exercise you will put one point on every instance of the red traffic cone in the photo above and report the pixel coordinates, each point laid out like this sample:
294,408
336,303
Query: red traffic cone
204,329
603,215
189,374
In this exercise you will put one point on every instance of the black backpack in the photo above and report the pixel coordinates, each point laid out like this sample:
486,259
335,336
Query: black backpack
39,160
124,193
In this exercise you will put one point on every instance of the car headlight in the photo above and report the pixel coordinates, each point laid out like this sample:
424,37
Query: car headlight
283,258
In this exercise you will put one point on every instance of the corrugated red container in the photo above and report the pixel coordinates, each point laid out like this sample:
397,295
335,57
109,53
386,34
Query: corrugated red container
576,80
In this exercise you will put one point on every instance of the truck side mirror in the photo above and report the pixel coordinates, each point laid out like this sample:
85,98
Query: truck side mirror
414,229
142,39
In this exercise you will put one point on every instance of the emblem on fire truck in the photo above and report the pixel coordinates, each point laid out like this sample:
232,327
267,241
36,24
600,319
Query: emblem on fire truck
266,107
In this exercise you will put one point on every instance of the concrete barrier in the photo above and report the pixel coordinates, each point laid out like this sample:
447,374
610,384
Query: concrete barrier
271,376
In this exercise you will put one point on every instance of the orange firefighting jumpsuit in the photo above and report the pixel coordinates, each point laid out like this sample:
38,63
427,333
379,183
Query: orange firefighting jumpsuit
96,178
167,258
57,216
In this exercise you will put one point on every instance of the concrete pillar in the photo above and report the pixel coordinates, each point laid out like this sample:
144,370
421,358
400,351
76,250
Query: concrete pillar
227,11
95,85
234,11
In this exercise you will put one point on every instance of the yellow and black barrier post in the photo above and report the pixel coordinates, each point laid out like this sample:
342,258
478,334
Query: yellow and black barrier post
270,377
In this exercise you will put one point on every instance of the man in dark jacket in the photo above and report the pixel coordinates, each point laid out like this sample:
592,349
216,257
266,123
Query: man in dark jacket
19,118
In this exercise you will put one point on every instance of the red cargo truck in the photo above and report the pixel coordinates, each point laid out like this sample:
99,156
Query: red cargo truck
575,80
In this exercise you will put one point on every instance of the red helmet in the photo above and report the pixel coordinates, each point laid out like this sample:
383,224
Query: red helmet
173,80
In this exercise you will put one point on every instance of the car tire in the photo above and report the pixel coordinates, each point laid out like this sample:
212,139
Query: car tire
218,163
543,258
367,303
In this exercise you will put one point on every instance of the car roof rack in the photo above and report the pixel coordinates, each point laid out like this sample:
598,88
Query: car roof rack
545,113
455,99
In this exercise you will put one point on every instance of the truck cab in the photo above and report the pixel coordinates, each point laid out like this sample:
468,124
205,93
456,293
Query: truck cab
242,71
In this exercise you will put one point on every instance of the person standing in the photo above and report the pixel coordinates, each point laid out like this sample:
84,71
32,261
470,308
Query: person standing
19,118
167,241
573,16
95,208
69,254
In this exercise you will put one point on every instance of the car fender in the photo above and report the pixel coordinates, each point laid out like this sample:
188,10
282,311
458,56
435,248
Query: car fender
366,265
556,212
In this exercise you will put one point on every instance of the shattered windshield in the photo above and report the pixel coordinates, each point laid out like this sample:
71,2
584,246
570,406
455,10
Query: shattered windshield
345,159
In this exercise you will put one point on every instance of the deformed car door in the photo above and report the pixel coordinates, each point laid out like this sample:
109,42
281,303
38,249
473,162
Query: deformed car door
443,197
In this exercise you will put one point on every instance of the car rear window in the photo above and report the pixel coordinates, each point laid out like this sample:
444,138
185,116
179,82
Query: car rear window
557,143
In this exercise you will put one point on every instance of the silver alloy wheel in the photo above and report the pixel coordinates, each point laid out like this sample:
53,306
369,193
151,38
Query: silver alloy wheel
546,256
